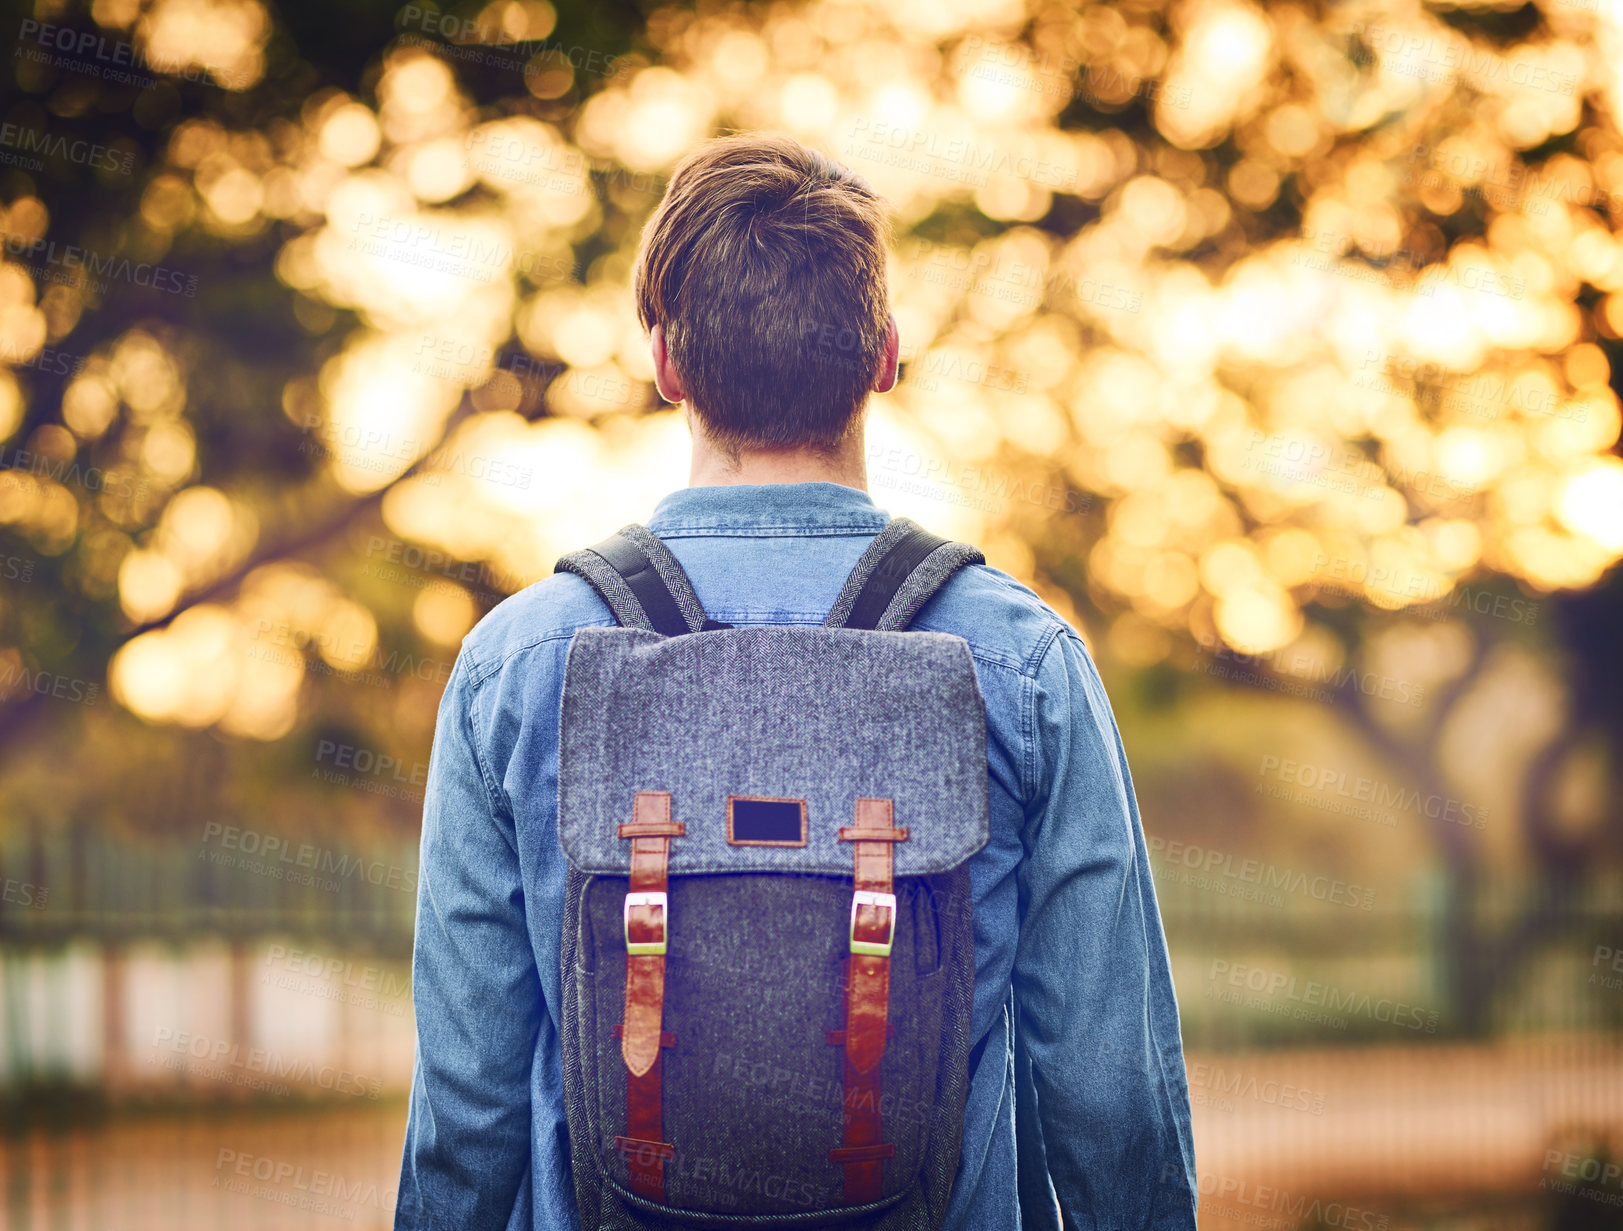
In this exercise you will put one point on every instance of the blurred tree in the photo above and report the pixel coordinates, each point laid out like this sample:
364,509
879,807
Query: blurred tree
1279,339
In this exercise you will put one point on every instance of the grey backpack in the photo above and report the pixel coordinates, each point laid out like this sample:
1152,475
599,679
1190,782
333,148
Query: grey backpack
768,954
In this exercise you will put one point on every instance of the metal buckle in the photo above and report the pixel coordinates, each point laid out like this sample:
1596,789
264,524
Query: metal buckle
887,901
644,897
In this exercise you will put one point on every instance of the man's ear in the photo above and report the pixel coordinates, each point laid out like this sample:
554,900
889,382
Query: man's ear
885,380
666,380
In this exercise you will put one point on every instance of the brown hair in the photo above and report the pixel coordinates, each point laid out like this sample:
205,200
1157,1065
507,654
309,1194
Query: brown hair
765,266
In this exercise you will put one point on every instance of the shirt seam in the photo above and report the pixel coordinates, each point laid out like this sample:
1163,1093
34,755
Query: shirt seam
552,634
793,619
1028,736
1028,708
981,654
1054,625
499,804
1039,651
690,530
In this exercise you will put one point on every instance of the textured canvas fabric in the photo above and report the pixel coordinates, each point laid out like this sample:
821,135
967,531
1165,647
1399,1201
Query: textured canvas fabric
752,1086
824,715
929,577
610,586
588,565
752,1094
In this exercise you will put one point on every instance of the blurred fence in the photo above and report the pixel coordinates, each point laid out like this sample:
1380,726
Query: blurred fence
242,964
113,948
230,881
1331,1079
1300,964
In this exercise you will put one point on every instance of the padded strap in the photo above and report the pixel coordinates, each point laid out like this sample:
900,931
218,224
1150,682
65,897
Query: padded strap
899,572
642,583
642,1034
867,998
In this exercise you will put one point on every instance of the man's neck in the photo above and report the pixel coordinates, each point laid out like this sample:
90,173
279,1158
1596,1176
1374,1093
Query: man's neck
712,467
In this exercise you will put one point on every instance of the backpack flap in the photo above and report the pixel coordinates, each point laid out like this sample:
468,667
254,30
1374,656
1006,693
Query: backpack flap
763,735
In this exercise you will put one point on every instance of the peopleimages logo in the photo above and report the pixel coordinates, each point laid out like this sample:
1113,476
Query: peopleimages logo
372,987
16,679
91,53
1374,791
1298,1210
1415,53
68,472
1426,595
1213,1086
292,1184
1308,668
1606,955
1312,994
1254,879
1580,1175
223,1059
53,262
24,893
90,154
303,863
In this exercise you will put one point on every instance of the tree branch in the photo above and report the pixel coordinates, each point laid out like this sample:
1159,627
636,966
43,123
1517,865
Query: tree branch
14,719
307,539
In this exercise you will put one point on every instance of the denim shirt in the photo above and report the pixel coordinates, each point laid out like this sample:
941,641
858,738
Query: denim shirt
1072,980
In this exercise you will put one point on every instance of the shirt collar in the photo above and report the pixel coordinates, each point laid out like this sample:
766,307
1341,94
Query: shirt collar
768,508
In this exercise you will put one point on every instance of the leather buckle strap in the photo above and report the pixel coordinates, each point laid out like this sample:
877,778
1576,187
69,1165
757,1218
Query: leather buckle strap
860,1151
642,1034
867,996
882,905
650,829
659,902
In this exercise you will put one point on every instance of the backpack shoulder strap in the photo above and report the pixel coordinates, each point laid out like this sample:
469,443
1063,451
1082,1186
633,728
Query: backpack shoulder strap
641,581
902,568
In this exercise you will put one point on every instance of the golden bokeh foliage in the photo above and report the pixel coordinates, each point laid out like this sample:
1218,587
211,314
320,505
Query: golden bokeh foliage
1289,306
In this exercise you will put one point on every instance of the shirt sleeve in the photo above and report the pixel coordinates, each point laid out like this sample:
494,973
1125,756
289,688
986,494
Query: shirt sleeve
475,989
1093,989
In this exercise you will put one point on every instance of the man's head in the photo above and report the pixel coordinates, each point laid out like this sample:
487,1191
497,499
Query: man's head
762,279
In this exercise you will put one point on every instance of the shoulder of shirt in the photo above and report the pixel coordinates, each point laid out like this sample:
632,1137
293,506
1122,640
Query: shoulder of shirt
550,609
1005,622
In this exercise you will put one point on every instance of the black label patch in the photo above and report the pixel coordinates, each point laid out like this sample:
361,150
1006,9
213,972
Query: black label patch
753,821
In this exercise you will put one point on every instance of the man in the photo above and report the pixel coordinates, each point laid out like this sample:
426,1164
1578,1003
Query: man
762,283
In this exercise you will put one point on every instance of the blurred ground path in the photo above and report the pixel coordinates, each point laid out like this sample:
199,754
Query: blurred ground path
1386,1128
241,1170
1286,1141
